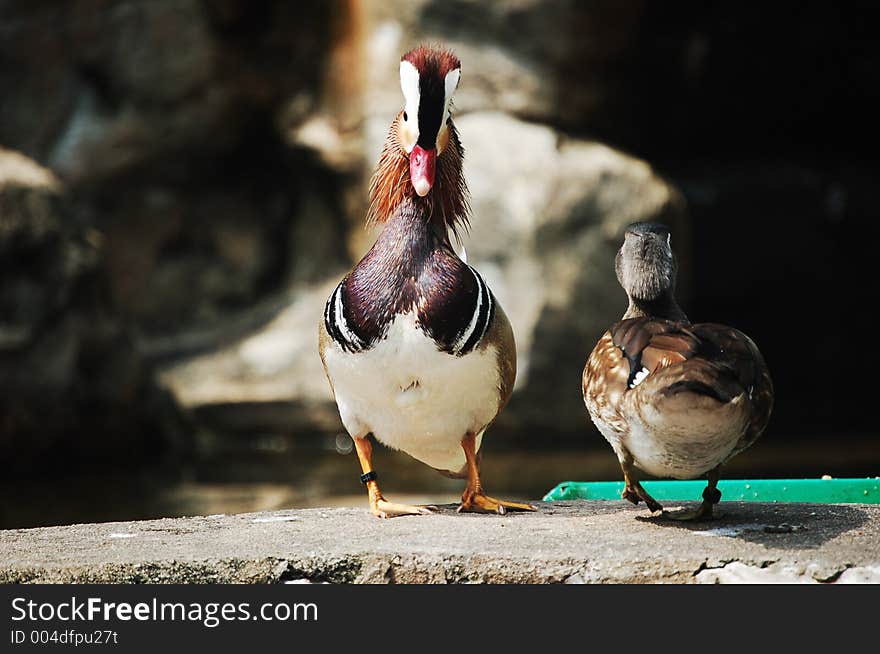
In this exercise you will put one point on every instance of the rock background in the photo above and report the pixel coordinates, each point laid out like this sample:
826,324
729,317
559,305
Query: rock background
189,180
75,391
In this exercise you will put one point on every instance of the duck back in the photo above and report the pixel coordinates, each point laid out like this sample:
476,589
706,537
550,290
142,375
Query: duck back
681,398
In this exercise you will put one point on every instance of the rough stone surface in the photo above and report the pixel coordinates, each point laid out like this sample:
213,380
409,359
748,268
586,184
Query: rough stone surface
564,542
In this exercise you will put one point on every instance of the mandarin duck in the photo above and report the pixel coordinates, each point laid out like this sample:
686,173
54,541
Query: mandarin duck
417,349
673,398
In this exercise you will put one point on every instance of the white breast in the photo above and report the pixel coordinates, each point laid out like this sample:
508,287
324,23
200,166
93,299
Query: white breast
412,396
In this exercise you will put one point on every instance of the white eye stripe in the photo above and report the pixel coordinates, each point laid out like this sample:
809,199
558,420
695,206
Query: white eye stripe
409,84
451,83
449,86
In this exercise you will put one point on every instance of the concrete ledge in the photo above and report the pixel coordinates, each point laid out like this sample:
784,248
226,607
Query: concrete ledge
571,542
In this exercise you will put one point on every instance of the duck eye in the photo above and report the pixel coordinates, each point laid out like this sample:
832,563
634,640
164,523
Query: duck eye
405,117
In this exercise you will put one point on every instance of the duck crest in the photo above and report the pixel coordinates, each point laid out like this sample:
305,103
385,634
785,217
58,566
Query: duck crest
411,268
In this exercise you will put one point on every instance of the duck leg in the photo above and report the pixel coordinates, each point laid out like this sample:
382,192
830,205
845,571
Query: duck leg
379,506
711,497
473,499
633,490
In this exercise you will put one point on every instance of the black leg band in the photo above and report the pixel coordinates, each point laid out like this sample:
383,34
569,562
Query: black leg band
372,476
712,495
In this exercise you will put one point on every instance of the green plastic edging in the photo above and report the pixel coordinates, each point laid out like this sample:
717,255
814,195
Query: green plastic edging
820,491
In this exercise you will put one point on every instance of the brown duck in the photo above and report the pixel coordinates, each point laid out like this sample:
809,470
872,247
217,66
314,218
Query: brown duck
674,399
418,352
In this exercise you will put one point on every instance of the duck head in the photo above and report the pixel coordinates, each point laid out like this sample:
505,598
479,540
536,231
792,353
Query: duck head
428,79
645,264
422,158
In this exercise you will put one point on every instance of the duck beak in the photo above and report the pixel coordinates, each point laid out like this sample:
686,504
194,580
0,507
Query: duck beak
421,169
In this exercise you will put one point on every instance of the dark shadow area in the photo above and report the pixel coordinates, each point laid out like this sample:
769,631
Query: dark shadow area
780,526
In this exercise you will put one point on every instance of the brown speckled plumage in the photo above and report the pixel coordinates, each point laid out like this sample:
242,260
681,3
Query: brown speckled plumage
710,360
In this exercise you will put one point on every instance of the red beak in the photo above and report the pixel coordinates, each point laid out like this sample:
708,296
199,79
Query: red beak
421,169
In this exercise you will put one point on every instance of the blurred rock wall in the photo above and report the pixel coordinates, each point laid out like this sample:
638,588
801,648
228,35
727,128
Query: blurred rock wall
75,391
168,214
162,121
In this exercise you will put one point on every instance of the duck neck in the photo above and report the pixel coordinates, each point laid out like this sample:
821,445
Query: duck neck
407,240
390,279
663,306
410,235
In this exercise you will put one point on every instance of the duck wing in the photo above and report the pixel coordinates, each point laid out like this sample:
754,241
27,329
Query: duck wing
741,359
671,357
